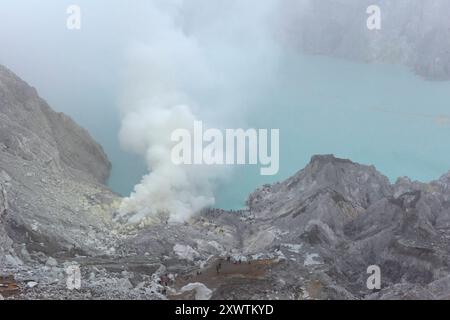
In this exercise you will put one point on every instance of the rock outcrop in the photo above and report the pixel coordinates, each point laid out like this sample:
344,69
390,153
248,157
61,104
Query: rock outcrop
350,217
52,197
32,132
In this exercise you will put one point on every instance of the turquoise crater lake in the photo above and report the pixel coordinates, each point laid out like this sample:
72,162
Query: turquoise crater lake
370,113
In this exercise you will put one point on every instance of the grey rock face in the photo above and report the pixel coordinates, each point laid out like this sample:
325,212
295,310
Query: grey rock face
350,217
324,196
413,32
51,174
32,131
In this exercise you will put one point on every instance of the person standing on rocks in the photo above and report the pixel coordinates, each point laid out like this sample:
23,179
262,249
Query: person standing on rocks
218,267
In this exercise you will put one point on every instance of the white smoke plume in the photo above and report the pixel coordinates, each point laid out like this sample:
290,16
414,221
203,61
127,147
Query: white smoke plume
195,62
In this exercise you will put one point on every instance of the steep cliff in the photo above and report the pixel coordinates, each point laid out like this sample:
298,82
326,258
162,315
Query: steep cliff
51,175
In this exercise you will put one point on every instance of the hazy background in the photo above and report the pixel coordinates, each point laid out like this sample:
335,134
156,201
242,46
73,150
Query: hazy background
381,114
